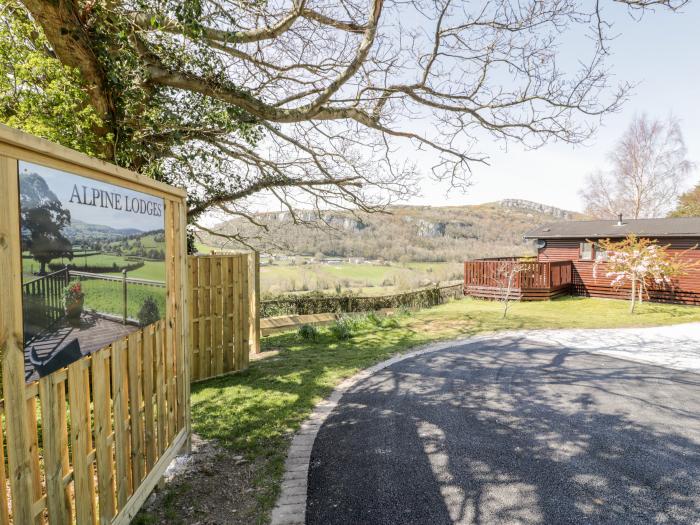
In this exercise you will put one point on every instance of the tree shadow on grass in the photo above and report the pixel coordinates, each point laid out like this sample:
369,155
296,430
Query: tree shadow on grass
511,432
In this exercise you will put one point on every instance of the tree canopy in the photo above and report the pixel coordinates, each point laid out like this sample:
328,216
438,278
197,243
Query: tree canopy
688,204
309,101
648,166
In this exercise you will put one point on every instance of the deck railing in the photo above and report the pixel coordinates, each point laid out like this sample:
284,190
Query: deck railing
42,301
532,275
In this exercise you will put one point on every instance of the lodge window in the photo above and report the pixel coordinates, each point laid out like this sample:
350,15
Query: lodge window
586,251
600,253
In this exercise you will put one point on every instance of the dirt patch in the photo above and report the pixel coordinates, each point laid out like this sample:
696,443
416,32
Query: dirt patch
210,486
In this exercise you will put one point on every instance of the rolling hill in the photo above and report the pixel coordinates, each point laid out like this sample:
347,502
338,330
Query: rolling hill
405,233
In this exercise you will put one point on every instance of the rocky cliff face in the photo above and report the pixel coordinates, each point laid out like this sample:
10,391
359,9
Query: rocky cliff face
521,204
340,222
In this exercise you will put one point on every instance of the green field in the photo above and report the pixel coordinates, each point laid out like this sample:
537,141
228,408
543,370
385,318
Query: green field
366,279
153,270
107,297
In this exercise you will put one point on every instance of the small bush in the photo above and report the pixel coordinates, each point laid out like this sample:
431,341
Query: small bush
307,332
374,319
148,313
390,322
341,330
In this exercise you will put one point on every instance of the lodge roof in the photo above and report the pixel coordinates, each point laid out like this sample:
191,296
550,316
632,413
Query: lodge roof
668,227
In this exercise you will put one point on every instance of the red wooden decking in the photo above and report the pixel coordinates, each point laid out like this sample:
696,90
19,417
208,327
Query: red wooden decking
537,281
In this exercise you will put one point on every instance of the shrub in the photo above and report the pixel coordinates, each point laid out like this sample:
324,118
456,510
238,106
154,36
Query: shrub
148,313
373,318
307,332
341,330
390,322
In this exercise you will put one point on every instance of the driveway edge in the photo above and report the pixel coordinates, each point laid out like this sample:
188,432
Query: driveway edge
290,508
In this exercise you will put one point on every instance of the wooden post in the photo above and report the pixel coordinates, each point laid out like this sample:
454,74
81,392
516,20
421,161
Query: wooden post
12,348
254,301
125,292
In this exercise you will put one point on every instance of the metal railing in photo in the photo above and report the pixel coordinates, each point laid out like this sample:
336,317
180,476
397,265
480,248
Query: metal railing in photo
124,281
42,301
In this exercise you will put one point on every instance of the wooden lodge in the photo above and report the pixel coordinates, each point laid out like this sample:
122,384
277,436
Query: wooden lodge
567,252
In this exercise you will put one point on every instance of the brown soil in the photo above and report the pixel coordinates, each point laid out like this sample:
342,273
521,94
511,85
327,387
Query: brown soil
210,486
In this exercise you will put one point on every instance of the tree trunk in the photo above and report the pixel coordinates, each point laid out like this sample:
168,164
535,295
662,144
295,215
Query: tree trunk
634,294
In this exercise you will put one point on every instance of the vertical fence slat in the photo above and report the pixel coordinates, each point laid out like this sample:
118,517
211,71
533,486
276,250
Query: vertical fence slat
148,414
192,267
34,454
227,307
121,434
135,343
160,390
101,393
54,443
245,305
254,301
83,472
203,349
217,325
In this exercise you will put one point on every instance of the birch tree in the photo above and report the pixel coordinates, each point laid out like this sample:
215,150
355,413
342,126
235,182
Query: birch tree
648,166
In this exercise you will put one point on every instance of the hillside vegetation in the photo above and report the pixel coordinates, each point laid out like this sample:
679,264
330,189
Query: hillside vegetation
404,233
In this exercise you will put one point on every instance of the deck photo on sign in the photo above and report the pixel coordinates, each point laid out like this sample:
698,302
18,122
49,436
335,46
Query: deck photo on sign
93,265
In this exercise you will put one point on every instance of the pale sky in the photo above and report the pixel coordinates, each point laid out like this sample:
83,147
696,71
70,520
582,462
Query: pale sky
660,54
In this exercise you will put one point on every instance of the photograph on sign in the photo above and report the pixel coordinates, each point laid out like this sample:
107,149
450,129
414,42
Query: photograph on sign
93,265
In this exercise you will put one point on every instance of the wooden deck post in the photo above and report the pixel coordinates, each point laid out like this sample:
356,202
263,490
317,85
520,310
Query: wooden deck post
254,301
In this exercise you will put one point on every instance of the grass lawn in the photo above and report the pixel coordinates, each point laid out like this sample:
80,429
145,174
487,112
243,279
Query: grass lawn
255,412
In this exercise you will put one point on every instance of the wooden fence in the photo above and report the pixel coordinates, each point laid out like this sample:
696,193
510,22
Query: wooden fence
224,320
88,443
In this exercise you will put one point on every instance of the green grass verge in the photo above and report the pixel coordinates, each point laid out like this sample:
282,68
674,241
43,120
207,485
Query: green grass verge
256,411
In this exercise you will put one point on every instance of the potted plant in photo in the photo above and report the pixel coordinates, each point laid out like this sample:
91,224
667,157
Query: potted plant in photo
73,299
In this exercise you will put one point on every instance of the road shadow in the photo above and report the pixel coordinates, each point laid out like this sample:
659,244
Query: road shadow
511,431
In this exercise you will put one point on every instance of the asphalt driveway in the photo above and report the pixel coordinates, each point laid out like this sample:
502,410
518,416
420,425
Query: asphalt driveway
514,429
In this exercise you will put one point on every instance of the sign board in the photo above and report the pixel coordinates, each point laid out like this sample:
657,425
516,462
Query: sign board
93,264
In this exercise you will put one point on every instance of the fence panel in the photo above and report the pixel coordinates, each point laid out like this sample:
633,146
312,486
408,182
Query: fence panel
86,444
223,316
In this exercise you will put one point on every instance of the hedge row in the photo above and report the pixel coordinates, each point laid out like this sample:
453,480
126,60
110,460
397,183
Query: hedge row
317,304
54,267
